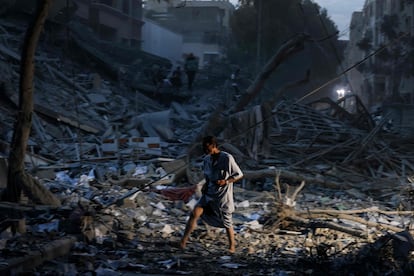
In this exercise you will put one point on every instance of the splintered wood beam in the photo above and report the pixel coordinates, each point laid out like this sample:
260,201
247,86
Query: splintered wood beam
367,140
328,224
293,175
327,216
12,207
34,258
325,151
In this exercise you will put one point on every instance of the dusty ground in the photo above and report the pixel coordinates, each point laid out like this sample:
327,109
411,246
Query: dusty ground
207,256
269,251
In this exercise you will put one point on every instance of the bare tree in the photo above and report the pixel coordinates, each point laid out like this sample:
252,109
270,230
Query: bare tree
18,179
218,122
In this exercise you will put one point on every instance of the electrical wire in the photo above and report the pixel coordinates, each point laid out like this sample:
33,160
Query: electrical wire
377,51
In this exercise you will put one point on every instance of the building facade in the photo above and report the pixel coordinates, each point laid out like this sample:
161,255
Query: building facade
161,41
117,21
381,44
204,26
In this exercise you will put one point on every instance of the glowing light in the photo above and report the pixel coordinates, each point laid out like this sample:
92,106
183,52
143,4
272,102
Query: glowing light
340,93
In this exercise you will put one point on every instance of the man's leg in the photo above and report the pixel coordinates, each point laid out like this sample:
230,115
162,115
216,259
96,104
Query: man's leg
232,242
191,224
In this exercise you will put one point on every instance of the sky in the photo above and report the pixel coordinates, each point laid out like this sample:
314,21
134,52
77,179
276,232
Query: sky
340,11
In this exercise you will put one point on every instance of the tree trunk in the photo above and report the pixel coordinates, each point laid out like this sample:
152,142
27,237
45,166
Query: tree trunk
18,179
219,120
285,51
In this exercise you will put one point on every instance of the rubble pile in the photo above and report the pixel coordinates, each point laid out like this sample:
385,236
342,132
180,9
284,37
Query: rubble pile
118,161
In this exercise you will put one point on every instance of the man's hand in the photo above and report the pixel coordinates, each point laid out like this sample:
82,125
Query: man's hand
222,182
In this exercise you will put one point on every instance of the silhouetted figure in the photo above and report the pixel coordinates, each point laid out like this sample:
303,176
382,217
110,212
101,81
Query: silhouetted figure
191,67
176,79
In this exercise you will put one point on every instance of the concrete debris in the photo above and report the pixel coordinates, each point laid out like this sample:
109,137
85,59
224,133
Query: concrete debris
119,162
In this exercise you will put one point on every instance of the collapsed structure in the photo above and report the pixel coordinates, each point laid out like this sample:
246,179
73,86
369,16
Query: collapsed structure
127,168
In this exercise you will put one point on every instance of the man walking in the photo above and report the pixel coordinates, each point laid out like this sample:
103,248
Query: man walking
216,205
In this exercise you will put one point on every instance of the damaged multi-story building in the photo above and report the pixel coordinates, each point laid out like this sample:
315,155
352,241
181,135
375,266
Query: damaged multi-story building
117,21
381,44
203,25
380,55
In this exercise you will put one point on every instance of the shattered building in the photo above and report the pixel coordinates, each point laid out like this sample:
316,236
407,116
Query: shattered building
115,21
204,26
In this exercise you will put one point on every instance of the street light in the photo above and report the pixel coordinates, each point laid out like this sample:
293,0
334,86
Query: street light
341,93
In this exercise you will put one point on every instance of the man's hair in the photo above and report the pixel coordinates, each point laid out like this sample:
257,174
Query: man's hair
210,140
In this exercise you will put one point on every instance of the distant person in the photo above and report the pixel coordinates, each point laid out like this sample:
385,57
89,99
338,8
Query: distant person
156,74
216,205
176,79
191,67
159,78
